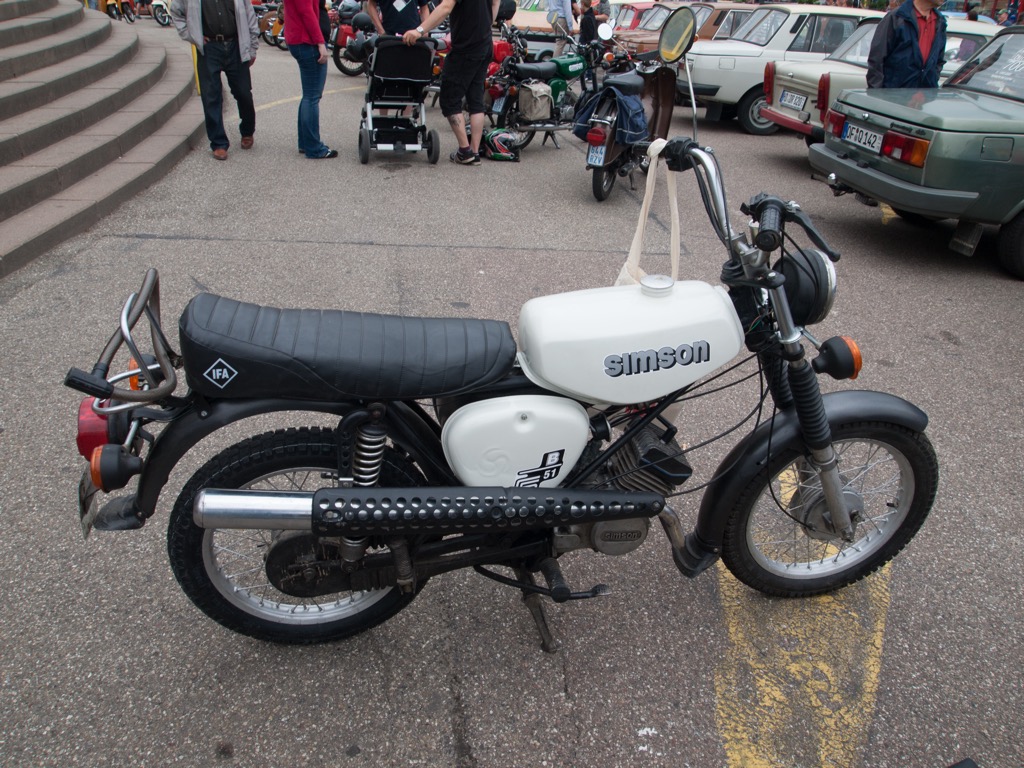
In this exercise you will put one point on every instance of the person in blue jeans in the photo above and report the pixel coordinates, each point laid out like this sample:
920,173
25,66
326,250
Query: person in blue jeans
306,31
226,36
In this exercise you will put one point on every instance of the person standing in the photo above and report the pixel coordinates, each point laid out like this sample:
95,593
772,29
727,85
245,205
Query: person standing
465,68
306,32
561,23
396,17
226,37
909,46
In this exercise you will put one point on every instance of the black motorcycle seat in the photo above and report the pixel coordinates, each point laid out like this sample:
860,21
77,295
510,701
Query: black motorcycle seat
233,349
542,70
630,83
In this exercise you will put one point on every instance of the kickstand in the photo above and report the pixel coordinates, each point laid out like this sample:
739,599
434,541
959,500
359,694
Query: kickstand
548,641
554,139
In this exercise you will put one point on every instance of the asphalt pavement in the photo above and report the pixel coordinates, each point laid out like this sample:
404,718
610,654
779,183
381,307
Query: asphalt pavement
106,663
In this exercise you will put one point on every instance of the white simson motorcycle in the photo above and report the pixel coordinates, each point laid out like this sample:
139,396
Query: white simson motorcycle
454,448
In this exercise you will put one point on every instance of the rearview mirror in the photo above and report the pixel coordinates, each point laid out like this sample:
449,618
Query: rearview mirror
604,31
677,35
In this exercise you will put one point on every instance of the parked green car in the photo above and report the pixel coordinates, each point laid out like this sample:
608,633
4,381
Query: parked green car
955,152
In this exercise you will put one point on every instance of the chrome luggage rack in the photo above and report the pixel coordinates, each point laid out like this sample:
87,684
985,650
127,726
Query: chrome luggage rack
149,382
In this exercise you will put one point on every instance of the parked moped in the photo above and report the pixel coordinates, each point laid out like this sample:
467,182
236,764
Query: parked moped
633,106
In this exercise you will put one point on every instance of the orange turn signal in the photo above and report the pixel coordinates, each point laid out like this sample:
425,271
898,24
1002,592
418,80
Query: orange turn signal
839,357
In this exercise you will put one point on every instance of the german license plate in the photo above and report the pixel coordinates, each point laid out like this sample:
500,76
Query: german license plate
595,155
862,137
793,100
498,104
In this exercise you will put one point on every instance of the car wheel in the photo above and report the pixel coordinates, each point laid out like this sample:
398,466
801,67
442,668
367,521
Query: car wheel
1010,246
748,112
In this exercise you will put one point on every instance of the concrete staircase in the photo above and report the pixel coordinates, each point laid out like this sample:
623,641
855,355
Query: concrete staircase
91,112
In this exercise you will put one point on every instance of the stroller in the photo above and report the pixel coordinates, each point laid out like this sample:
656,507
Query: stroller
398,77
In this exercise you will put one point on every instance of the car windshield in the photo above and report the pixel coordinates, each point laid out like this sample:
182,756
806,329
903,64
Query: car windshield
732,22
855,48
700,15
761,26
654,19
997,69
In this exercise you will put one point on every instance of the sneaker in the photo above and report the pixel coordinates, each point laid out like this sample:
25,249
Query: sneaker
328,155
469,157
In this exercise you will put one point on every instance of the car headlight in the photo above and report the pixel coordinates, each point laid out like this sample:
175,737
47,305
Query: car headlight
810,284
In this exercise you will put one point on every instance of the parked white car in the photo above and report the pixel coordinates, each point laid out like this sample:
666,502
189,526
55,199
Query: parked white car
728,75
799,93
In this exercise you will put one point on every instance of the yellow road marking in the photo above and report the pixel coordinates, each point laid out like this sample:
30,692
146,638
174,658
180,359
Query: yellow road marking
296,99
888,214
798,683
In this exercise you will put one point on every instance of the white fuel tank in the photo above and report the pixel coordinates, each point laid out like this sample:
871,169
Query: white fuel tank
628,344
524,441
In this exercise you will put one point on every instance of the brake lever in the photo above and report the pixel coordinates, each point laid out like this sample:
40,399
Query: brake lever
799,217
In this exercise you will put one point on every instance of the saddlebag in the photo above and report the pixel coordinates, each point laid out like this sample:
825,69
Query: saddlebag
535,102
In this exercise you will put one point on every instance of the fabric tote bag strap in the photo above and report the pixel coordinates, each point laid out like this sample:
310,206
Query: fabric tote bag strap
631,272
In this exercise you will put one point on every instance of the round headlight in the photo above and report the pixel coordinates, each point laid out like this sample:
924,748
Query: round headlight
810,284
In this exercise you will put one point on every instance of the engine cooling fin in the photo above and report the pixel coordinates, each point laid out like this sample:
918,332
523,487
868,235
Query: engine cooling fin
363,511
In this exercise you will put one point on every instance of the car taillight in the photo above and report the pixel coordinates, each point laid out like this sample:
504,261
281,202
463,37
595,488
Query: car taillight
824,86
769,81
597,136
834,122
92,429
905,149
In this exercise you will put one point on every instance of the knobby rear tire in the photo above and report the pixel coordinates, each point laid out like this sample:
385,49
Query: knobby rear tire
222,571
892,468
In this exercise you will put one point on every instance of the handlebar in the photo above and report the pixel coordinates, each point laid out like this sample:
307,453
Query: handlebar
770,214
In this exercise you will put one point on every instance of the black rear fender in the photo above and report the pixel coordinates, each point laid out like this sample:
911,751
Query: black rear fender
407,425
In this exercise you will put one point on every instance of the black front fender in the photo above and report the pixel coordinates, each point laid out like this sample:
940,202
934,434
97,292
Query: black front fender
748,457
407,426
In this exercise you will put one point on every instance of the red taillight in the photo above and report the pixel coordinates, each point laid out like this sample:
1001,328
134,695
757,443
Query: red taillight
824,86
496,91
492,69
834,123
905,149
597,136
769,80
92,429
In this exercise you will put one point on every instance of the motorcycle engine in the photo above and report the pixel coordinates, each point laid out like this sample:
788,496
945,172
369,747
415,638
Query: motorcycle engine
649,463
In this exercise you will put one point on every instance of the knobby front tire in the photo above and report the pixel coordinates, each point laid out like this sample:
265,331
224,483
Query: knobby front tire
891,469
222,570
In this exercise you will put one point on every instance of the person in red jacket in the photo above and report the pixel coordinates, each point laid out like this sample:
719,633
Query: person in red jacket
306,32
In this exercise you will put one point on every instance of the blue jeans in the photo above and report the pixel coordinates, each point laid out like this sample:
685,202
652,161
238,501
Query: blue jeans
224,57
313,76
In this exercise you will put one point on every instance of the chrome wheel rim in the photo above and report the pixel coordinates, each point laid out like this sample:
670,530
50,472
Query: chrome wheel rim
874,471
234,562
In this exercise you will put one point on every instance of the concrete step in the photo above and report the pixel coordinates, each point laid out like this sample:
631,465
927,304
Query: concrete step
15,9
25,57
74,210
32,131
37,25
73,149
42,86
49,170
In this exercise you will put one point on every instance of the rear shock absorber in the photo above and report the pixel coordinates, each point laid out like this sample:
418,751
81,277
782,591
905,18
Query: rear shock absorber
369,454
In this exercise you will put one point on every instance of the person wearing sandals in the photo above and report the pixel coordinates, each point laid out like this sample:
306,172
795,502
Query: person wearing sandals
465,68
306,31
225,37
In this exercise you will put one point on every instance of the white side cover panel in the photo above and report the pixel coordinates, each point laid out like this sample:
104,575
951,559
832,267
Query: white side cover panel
524,441
621,345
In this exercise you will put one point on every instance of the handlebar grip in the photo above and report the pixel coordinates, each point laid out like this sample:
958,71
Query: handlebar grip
769,236
88,383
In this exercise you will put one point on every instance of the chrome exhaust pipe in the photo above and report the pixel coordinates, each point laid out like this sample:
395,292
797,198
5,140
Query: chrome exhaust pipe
272,510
